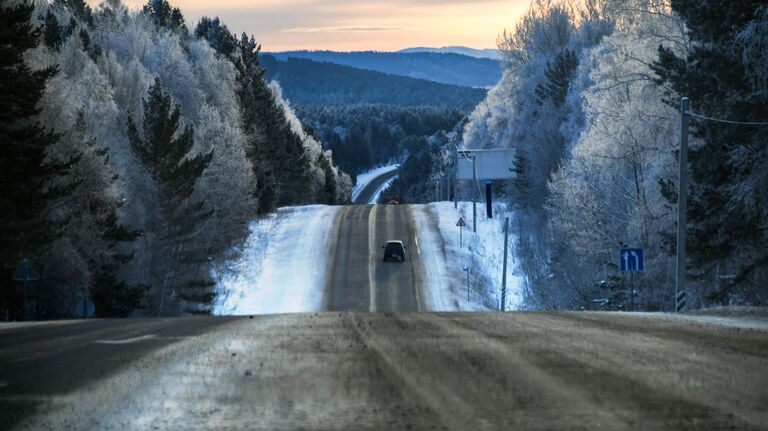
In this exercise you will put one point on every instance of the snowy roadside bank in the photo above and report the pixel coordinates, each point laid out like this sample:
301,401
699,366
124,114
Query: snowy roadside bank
365,178
482,253
282,266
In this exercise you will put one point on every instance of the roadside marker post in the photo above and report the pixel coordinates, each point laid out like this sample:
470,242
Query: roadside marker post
631,260
680,301
466,269
504,271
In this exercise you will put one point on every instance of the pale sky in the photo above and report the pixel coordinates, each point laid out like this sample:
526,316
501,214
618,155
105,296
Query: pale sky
341,25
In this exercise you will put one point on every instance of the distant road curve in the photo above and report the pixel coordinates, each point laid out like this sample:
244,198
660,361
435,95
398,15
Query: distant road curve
370,189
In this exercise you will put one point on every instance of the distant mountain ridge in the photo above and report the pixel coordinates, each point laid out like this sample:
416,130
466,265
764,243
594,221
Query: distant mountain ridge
447,68
310,82
493,54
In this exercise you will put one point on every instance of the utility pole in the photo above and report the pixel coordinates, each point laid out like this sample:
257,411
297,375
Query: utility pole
455,178
682,196
448,187
474,194
504,271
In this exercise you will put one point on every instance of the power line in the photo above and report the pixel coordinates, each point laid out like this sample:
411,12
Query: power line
719,120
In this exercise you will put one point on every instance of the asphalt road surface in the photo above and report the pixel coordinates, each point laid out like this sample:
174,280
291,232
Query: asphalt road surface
388,371
367,193
357,277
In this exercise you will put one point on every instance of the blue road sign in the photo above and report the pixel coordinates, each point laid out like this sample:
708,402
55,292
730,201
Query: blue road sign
85,309
631,260
25,272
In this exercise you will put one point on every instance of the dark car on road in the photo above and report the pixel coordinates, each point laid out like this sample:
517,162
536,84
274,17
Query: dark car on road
394,250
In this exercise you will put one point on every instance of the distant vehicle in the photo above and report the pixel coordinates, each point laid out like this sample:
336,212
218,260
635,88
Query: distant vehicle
394,250
394,200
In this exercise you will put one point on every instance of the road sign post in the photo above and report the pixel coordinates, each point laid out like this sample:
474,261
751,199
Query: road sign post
488,200
461,225
631,260
25,273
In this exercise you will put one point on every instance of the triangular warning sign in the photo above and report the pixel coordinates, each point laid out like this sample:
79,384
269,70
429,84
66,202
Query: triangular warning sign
461,223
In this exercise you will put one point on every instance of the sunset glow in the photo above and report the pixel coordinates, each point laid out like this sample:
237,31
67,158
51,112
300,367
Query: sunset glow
359,25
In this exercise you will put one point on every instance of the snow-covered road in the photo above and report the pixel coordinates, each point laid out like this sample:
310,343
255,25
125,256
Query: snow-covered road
282,266
367,178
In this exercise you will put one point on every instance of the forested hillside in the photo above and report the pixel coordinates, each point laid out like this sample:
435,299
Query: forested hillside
310,82
590,100
493,54
445,67
362,136
135,153
369,118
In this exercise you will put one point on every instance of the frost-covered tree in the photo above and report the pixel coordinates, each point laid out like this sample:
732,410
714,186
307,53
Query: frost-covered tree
91,245
545,28
26,175
724,75
595,142
52,31
217,35
163,145
100,191
164,15
607,195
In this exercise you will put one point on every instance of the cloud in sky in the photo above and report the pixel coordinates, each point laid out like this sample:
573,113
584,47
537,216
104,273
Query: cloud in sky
344,28
376,24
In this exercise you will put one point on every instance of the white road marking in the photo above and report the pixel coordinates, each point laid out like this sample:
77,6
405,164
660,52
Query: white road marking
127,340
373,252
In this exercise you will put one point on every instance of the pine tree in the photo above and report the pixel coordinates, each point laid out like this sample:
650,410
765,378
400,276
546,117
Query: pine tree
329,187
558,77
90,223
111,296
727,199
163,147
165,16
52,31
93,50
218,36
24,174
522,181
79,8
281,148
